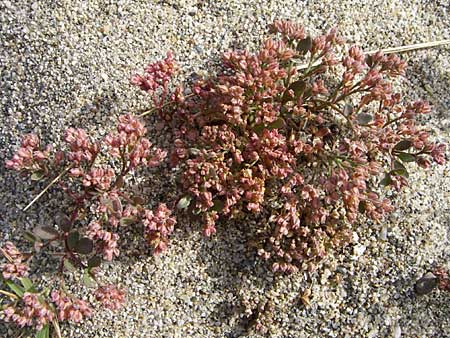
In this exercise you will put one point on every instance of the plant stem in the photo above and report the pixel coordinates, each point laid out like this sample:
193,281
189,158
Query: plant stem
61,174
151,110
9,294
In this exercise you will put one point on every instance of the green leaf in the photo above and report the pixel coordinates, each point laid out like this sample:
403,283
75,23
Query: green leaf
63,221
138,200
88,280
362,206
403,145
400,169
258,128
94,262
29,237
19,291
194,151
127,220
279,123
298,87
405,157
46,232
218,205
27,283
120,182
369,60
69,266
303,46
72,239
364,119
184,202
37,175
84,246
348,109
44,332
387,180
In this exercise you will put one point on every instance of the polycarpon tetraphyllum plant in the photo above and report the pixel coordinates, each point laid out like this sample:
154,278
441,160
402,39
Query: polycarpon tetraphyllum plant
80,242
271,138
293,133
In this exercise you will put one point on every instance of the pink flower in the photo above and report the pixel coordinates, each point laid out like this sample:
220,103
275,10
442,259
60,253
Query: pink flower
33,312
81,148
15,268
288,29
108,241
100,178
156,75
110,296
158,226
70,308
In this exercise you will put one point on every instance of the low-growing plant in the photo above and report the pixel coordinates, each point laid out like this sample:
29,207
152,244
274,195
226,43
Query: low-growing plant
274,135
84,235
292,145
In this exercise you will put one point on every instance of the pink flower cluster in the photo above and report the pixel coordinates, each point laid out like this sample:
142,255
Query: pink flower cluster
70,308
288,29
158,226
33,313
15,268
110,296
33,158
156,75
269,138
130,144
100,178
107,240
81,147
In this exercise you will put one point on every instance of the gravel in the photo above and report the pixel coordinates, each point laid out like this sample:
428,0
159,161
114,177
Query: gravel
68,63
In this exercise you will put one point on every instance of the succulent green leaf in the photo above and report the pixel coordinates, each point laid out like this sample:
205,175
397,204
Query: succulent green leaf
27,283
403,145
369,60
84,246
88,280
46,232
69,266
387,180
29,237
348,109
19,291
138,200
72,239
44,332
304,45
400,169
117,205
364,118
94,262
63,221
405,157
279,123
184,202
259,128
218,205
298,87
426,284
120,182
37,175
127,220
